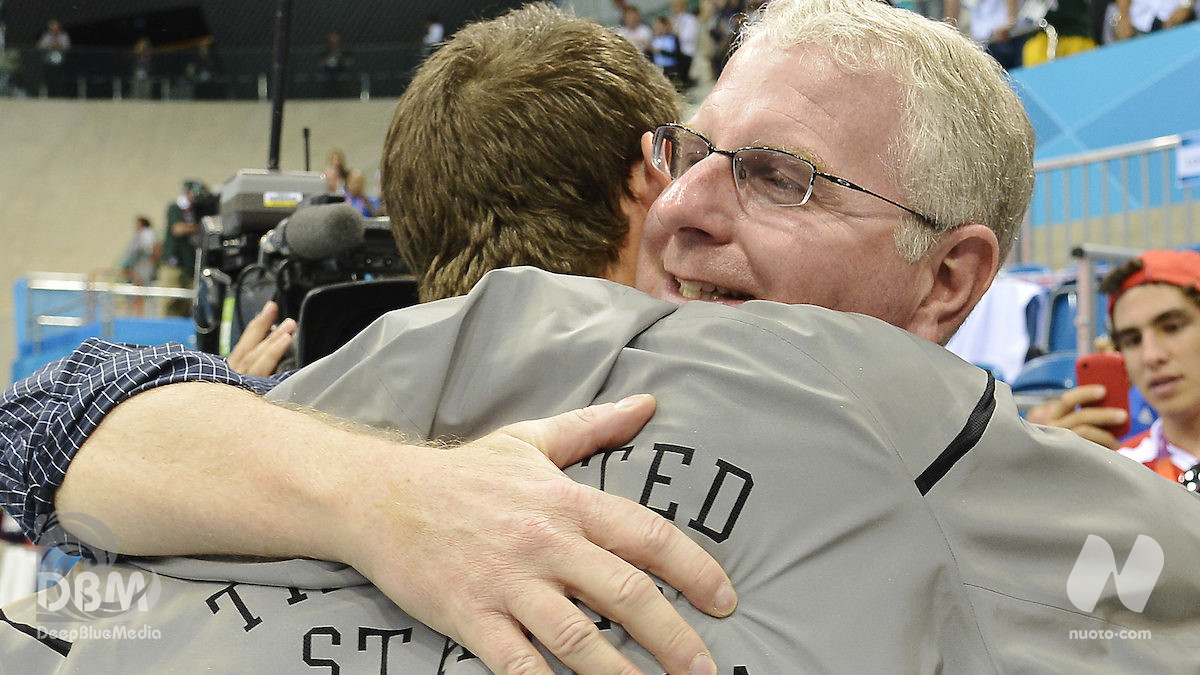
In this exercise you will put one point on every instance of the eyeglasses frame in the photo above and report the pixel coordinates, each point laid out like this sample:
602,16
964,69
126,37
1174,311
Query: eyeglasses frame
732,155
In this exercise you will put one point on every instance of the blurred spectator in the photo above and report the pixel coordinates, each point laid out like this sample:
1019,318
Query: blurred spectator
635,30
1137,17
725,20
181,238
930,9
142,73
702,72
54,45
336,171
55,42
8,63
141,256
992,22
687,29
356,194
380,204
336,64
333,180
1071,21
203,72
664,51
435,34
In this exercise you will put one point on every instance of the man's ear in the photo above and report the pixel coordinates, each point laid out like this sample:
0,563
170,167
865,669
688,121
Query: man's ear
653,179
644,186
963,264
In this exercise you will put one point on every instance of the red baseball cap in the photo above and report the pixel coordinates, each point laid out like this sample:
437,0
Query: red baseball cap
1178,268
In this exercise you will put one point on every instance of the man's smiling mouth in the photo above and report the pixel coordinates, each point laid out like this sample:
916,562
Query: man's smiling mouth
701,290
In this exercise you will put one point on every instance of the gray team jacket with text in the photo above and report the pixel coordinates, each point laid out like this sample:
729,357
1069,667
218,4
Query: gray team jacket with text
877,502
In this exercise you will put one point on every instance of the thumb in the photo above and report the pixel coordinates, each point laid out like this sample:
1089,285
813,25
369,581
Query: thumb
575,435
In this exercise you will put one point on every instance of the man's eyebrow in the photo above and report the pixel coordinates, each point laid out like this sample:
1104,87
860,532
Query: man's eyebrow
1170,315
1118,335
1173,314
804,153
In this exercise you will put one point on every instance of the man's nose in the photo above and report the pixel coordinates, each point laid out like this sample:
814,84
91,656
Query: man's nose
703,202
1154,350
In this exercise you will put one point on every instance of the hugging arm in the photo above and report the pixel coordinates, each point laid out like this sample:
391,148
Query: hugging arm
482,542
47,417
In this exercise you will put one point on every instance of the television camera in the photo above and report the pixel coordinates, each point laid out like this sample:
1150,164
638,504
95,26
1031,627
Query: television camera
279,236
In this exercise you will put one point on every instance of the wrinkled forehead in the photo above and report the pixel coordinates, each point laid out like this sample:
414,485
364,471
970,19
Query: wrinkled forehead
799,98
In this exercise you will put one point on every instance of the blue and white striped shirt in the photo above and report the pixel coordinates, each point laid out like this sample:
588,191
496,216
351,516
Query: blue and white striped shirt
45,418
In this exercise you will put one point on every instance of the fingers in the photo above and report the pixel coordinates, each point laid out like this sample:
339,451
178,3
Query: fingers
606,583
577,434
650,542
1060,412
1098,435
265,357
503,647
260,348
1073,411
629,597
254,332
570,634
1082,396
1099,417
1052,411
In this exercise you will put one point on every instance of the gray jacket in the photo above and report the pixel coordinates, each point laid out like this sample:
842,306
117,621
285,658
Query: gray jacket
878,503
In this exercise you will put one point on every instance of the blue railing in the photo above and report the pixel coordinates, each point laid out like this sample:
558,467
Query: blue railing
1128,196
53,313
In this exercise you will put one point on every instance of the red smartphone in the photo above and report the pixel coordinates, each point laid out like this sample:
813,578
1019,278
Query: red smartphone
1108,369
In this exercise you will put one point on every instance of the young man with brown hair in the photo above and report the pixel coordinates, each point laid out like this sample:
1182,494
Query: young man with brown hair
1154,312
519,143
1153,309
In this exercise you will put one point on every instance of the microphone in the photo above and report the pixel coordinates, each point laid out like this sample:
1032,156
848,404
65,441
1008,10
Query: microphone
314,233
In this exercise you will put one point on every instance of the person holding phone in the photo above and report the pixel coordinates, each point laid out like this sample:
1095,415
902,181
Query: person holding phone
1085,409
1154,320
1154,312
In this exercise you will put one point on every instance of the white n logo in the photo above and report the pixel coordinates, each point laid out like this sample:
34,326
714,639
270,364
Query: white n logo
1097,563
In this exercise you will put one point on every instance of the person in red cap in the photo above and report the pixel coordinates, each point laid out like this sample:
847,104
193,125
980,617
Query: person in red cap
1154,316
1154,321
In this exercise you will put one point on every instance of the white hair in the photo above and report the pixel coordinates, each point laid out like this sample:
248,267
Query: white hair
964,152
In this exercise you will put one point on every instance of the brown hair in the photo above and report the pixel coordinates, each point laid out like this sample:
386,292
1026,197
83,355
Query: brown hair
514,145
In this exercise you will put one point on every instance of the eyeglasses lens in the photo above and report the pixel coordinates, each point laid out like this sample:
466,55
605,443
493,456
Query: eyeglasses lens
770,175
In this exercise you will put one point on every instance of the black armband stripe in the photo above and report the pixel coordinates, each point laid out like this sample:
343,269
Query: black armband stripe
61,646
966,439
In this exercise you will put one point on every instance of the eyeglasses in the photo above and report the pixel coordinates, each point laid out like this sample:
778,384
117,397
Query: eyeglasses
772,176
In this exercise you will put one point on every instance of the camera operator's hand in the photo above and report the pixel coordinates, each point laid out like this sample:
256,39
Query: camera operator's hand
489,539
261,348
482,541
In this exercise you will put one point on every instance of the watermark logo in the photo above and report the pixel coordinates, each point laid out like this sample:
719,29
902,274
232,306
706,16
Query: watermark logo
1097,562
1109,634
87,632
91,591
